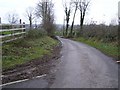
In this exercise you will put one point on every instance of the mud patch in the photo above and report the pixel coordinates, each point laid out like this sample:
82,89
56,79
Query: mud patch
33,68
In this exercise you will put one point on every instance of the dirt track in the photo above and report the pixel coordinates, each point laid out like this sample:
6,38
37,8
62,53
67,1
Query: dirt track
33,68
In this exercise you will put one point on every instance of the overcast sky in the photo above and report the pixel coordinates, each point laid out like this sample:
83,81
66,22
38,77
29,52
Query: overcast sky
102,11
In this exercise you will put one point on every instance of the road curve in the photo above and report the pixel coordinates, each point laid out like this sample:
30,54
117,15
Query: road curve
83,66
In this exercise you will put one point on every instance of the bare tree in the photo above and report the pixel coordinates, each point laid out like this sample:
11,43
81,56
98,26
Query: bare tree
75,5
12,18
83,5
67,9
30,15
64,26
45,11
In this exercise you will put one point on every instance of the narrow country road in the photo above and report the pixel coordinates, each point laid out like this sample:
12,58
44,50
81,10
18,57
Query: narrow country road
85,67
81,66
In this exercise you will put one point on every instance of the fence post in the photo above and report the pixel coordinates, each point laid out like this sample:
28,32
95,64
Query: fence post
118,30
12,32
0,20
0,23
20,23
24,26
0,55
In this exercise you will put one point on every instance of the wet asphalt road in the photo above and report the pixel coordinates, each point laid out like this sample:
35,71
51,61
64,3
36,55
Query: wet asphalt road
85,67
81,66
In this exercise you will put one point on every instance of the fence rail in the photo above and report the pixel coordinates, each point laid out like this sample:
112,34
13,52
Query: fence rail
2,30
12,32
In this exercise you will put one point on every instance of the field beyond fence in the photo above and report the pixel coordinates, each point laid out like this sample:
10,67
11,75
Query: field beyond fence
10,32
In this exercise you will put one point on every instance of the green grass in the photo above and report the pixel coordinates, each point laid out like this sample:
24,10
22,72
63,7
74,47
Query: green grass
5,33
107,48
25,50
10,32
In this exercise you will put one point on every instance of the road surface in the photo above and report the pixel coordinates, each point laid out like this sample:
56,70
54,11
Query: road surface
81,66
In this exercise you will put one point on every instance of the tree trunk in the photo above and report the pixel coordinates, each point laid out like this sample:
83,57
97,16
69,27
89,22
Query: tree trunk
71,32
81,22
67,25
67,21
30,19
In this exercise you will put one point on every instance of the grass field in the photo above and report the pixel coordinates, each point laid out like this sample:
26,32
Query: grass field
10,32
24,50
107,48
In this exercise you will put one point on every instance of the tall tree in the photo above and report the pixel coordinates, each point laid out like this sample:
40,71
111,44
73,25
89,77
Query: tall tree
30,15
44,10
67,9
64,26
83,5
75,5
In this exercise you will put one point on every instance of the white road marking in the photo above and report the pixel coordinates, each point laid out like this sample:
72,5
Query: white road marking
40,76
22,80
14,82
118,61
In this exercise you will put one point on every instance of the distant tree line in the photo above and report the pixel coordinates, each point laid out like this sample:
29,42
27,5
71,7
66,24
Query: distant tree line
102,32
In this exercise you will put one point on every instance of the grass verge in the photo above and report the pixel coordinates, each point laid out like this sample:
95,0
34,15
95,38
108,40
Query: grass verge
24,50
107,48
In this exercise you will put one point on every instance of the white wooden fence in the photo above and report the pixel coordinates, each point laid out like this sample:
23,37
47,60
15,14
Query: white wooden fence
15,31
